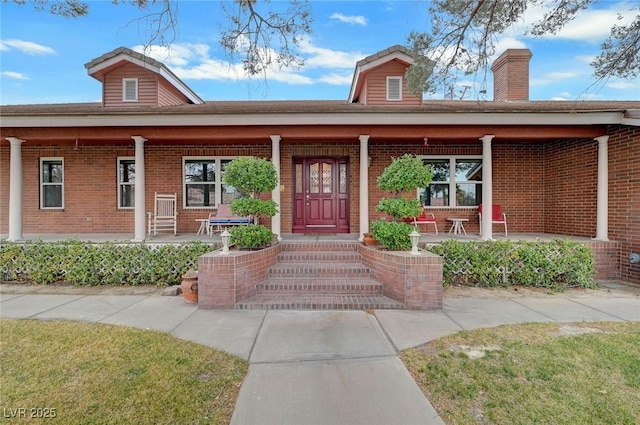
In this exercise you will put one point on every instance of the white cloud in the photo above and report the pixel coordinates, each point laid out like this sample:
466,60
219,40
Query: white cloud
552,78
319,57
623,85
336,79
14,75
178,54
590,25
26,47
194,62
351,20
506,43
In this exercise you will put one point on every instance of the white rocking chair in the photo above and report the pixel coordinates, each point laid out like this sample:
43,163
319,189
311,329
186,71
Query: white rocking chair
164,215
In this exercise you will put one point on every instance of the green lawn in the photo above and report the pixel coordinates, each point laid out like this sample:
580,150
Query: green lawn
85,373
533,374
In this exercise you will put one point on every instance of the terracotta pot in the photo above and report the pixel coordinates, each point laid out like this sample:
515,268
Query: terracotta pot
189,286
369,240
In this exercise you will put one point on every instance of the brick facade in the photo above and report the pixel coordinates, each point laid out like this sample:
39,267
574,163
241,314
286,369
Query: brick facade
544,187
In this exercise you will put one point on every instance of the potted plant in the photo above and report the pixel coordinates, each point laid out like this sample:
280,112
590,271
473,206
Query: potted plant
251,176
404,174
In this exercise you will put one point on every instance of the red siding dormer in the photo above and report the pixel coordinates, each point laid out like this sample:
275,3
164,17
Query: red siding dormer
132,79
379,79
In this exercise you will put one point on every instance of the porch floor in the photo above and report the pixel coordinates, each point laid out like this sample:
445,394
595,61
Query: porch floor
190,237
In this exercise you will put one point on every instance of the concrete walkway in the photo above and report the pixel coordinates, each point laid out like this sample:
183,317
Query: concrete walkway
322,367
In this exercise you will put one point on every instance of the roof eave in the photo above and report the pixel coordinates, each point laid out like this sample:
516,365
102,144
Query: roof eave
283,119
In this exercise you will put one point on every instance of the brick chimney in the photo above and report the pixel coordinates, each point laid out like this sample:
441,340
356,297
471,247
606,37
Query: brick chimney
511,76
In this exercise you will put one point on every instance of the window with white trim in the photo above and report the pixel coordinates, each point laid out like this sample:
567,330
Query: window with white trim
126,182
457,182
51,183
203,186
129,89
394,88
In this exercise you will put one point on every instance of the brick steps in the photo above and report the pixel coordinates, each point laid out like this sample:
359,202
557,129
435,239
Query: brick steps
319,302
319,257
319,270
319,276
319,286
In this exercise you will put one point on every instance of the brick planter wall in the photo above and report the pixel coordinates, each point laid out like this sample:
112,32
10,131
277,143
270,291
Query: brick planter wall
224,280
607,258
414,280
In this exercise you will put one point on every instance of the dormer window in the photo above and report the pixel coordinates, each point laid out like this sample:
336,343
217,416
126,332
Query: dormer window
129,89
394,88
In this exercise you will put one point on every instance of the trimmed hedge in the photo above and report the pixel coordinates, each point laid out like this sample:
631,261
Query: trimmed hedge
82,263
558,264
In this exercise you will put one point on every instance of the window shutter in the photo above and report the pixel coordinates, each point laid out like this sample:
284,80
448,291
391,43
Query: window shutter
130,90
394,88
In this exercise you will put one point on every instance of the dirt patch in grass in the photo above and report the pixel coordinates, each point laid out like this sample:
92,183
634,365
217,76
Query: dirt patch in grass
534,373
94,374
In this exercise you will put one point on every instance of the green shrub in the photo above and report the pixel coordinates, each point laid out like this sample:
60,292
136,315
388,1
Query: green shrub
558,264
82,263
393,235
251,176
406,173
252,206
251,236
399,208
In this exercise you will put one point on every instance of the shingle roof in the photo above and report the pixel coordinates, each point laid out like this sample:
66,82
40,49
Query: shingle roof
126,51
383,53
328,106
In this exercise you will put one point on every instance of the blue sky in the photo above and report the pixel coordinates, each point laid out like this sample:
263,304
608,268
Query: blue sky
42,56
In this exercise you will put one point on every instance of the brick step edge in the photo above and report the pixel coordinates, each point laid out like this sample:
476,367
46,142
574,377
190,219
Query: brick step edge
319,302
333,246
319,256
317,269
310,286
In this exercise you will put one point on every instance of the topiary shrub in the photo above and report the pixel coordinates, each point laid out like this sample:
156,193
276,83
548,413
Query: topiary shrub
404,174
251,236
252,176
393,235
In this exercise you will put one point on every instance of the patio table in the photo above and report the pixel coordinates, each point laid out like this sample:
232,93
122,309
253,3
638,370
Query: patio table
457,225
204,226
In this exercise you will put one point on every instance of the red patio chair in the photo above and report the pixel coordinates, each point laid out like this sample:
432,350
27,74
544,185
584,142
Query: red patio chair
424,218
498,217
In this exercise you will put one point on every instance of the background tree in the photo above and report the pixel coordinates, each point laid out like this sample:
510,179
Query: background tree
462,37
464,34
258,33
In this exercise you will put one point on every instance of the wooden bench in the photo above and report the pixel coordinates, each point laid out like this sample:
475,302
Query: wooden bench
223,217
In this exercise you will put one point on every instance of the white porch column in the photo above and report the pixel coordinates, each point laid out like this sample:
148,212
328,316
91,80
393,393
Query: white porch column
15,190
140,228
276,220
364,185
602,202
486,227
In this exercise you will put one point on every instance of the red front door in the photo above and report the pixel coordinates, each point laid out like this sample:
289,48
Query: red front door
321,195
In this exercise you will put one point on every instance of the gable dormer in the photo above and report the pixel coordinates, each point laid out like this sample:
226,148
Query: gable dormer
379,79
130,78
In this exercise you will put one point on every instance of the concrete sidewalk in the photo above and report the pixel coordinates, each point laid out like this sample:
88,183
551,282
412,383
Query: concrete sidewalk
322,367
